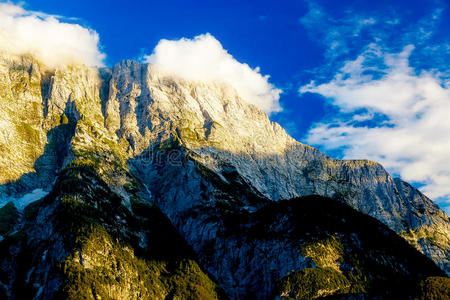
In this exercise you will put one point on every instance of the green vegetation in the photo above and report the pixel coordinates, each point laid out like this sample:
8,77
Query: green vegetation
434,288
190,135
116,254
28,133
351,253
327,252
311,283
120,274
108,251
18,67
8,218
108,158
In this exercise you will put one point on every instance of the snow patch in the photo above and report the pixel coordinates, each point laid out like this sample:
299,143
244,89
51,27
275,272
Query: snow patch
22,202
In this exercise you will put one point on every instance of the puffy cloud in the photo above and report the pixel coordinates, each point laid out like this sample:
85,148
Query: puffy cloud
389,113
47,38
203,58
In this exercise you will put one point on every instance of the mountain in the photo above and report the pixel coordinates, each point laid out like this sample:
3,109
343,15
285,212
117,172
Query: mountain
195,193
80,242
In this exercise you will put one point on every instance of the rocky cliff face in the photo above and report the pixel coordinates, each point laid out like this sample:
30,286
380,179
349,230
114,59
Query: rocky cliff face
202,152
222,132
81,242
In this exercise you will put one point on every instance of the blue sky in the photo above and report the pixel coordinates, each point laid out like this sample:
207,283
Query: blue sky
360,79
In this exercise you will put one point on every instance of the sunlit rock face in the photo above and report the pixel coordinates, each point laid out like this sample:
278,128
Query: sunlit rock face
198,147
42,111
22,138
223,132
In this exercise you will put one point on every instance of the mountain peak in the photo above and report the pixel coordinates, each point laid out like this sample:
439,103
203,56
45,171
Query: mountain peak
196,149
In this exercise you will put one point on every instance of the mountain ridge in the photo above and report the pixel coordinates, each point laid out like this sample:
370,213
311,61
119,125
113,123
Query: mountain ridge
197,147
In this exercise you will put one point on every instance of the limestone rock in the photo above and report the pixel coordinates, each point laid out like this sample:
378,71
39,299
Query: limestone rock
198,148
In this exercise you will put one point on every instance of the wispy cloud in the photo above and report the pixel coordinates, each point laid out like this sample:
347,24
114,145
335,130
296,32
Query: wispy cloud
392,98
47,37
344,34
203,58
338,35
398,117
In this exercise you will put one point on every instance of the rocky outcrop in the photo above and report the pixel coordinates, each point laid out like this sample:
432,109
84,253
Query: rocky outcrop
22,138
40,109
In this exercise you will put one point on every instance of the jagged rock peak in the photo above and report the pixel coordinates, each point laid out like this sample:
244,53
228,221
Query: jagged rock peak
136,108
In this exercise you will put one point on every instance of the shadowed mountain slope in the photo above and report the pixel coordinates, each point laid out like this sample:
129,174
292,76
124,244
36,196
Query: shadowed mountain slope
81,242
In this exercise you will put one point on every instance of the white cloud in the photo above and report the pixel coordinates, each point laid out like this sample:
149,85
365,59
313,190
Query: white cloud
338,35
204,58
47,38
411,133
